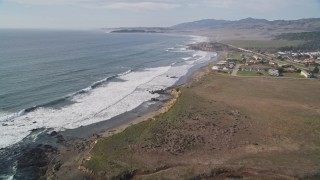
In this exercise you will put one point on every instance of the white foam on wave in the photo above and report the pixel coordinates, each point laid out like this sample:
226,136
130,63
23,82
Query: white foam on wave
102,103
99,104
6,116
187,58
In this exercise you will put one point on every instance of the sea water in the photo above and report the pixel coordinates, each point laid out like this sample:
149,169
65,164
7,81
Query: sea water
60,80
66,79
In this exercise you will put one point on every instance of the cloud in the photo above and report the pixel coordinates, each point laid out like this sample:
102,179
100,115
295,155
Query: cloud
243,4
257,5
107,4
50,2
141,5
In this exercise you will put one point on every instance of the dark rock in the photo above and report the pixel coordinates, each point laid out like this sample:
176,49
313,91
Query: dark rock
35,157
155,99
34,161
34,130
34,122
49,148
124,175
101,173
161,91
173,77
57,166
53,133
4,124
60,139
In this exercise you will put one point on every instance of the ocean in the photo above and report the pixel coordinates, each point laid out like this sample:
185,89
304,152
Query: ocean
59,80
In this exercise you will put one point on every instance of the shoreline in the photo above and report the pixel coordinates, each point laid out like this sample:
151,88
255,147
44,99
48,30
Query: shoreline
68,160
53,144
73,161
38,114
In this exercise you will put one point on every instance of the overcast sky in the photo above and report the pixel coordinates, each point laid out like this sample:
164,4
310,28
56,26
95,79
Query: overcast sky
88,14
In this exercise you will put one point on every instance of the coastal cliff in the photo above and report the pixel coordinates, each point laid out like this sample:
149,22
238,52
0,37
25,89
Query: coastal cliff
210,132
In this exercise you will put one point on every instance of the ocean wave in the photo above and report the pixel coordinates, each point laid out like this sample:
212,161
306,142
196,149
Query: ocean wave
104,100
5,117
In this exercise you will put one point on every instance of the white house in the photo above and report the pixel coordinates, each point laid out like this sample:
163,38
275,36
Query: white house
273,72
305,74
215,68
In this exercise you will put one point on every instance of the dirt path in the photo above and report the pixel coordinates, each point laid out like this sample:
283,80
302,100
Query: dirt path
235,70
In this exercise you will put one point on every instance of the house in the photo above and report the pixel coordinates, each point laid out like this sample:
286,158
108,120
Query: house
222,63
256,58
282,53
290,69
231,66
305,74
308,61
215,68
273,72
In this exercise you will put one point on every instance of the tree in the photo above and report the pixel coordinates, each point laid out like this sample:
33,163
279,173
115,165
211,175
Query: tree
315,70
280,70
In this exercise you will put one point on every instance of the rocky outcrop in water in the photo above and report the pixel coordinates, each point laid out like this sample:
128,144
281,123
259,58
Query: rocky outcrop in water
34,162
160,91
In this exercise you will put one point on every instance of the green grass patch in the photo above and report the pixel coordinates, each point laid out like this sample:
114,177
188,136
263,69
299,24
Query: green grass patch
298,65
114,154
282,110
235,55
251,73
263,43
293,75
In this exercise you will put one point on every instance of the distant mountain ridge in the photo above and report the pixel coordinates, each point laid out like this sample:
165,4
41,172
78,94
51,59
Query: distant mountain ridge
218,30
248,28
207,23
312,23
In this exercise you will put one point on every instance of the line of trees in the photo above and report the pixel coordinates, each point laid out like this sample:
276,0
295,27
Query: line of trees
311,39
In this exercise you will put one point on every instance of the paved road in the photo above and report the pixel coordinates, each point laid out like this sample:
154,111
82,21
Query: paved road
235,70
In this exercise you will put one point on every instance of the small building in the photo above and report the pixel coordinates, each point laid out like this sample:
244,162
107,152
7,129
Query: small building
282,53
222,63
305,74
256,58
285,65
290,69
225,69
215,68
231,66
273,72
308,61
